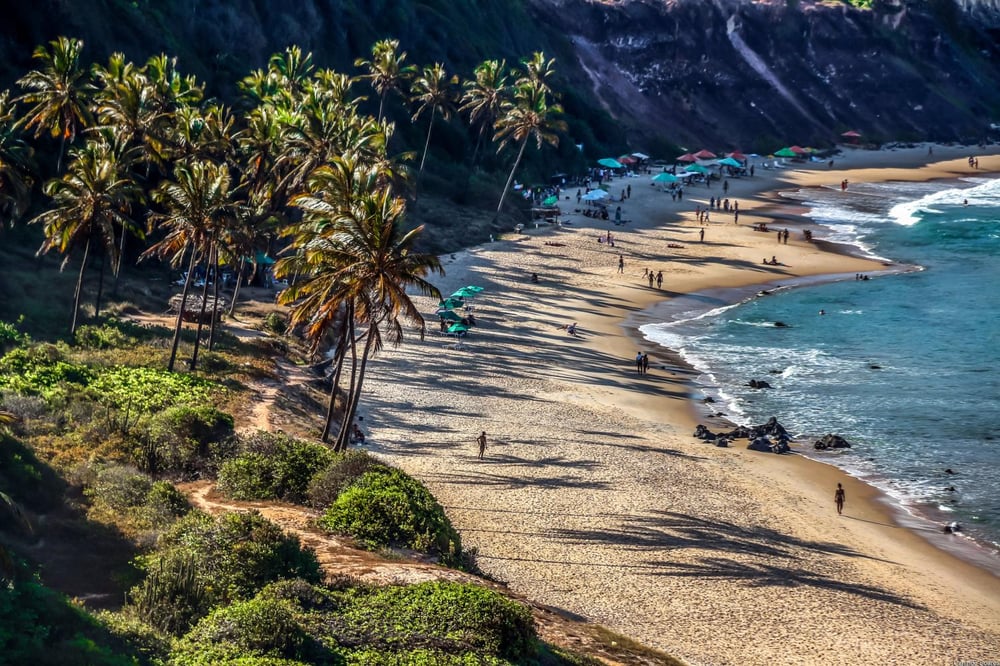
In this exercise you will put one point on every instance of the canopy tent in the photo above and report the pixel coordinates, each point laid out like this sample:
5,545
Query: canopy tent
611,163
785,152
664,178
705,155
686,157
730,162
595,195
640,156
696,168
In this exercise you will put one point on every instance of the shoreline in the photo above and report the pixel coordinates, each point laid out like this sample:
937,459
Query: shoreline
594,496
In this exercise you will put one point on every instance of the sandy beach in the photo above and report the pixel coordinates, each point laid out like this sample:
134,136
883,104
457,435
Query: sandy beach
593,496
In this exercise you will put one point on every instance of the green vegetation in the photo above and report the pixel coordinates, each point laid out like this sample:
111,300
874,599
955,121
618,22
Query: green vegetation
386,507
272,467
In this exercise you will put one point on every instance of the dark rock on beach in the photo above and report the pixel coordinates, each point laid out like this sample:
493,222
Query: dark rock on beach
831,442
758,384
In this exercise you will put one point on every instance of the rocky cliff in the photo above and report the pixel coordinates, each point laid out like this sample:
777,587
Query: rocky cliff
758,74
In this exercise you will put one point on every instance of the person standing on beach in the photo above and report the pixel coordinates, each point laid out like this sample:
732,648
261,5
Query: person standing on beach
645,363
621,263
701,234
651,277
659,280
638,363
839,498
482,444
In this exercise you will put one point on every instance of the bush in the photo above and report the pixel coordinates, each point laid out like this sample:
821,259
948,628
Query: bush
39,369
335,478
186,440
272,467
119,492
429,614
275,323
144,390
421,657
10,336
388,508
202,561
255,628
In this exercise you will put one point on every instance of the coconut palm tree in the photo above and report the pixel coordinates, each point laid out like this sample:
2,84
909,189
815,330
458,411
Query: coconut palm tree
16,164
197,202
386,70
538,69
432,92
355,265
91,201
529,114
483,97
58,91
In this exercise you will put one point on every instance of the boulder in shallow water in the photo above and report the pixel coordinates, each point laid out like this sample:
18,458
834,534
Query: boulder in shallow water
758,384
831,442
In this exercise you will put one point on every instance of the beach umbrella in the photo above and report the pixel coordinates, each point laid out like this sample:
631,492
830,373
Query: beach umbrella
799,150
686,157
729,161
737,155
448,315
550,201
695,168
851,134
627,159
473,288
464,293
458,327
595,195
640,156
611,163
663,178
705,154
449,303
786,152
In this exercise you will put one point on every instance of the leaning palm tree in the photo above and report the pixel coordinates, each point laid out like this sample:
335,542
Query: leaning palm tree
91,201
58,91
432,92
483,97
197,201
16,164
528,115
386,70
355,265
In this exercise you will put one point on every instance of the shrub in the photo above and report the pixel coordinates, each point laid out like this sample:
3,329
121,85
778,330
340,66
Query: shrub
39,369
141,389
429,614
342,471
10,336
185,439
275,323
120,492
272,467
255,628
227,558
421,657
389,508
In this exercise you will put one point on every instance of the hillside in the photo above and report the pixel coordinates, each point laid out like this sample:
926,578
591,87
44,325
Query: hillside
737,72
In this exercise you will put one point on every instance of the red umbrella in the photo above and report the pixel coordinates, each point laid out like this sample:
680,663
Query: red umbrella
852,134
686,157
798,149
627,159
704,155
737,155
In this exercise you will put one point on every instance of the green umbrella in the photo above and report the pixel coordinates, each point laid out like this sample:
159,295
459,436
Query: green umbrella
786,152
464,292
664,178
458,328
472,287
729,161
550,201
696,168
450,303
448,315
611,163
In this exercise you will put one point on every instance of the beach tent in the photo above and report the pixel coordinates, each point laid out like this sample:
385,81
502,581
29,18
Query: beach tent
611,163
640,156
686,157
785,152
730,162
595,195
705,155
696,168
664,178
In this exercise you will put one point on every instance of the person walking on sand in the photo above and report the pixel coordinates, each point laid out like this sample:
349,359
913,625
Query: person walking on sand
482,444
645,363
839,498
651,278
659,280
701,234
638,363
621,263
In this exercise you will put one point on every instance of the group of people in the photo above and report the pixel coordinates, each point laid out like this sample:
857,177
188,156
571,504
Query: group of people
642,363
783,236
658,277
773,262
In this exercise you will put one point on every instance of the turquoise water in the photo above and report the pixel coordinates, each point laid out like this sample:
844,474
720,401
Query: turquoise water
906,366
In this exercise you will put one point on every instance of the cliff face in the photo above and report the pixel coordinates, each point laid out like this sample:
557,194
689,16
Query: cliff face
756,74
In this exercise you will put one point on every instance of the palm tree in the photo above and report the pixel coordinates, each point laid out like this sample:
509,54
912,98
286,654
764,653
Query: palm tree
528,115
355,265
483,97
432,93
16,164
92,200
539,70
386,70
58,91
197,202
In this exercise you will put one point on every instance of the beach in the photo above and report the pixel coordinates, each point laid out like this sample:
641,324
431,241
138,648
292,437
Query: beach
593,496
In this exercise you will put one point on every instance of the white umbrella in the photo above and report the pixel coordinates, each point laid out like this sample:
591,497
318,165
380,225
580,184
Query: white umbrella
640,156
595,195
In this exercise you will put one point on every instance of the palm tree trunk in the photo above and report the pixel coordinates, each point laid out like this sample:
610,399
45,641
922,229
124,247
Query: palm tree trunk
338,361
79,287
381,106
215,296
479,142
100,286
239,281
204,302
427,144
343,437
180,312
510,179
352,406
62,149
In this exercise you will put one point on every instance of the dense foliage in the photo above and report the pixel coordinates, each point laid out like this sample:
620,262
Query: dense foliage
272,466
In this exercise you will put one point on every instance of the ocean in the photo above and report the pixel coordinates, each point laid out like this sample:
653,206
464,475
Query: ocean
904,365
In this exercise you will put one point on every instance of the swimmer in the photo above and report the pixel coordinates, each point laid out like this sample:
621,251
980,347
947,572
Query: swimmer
822,312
